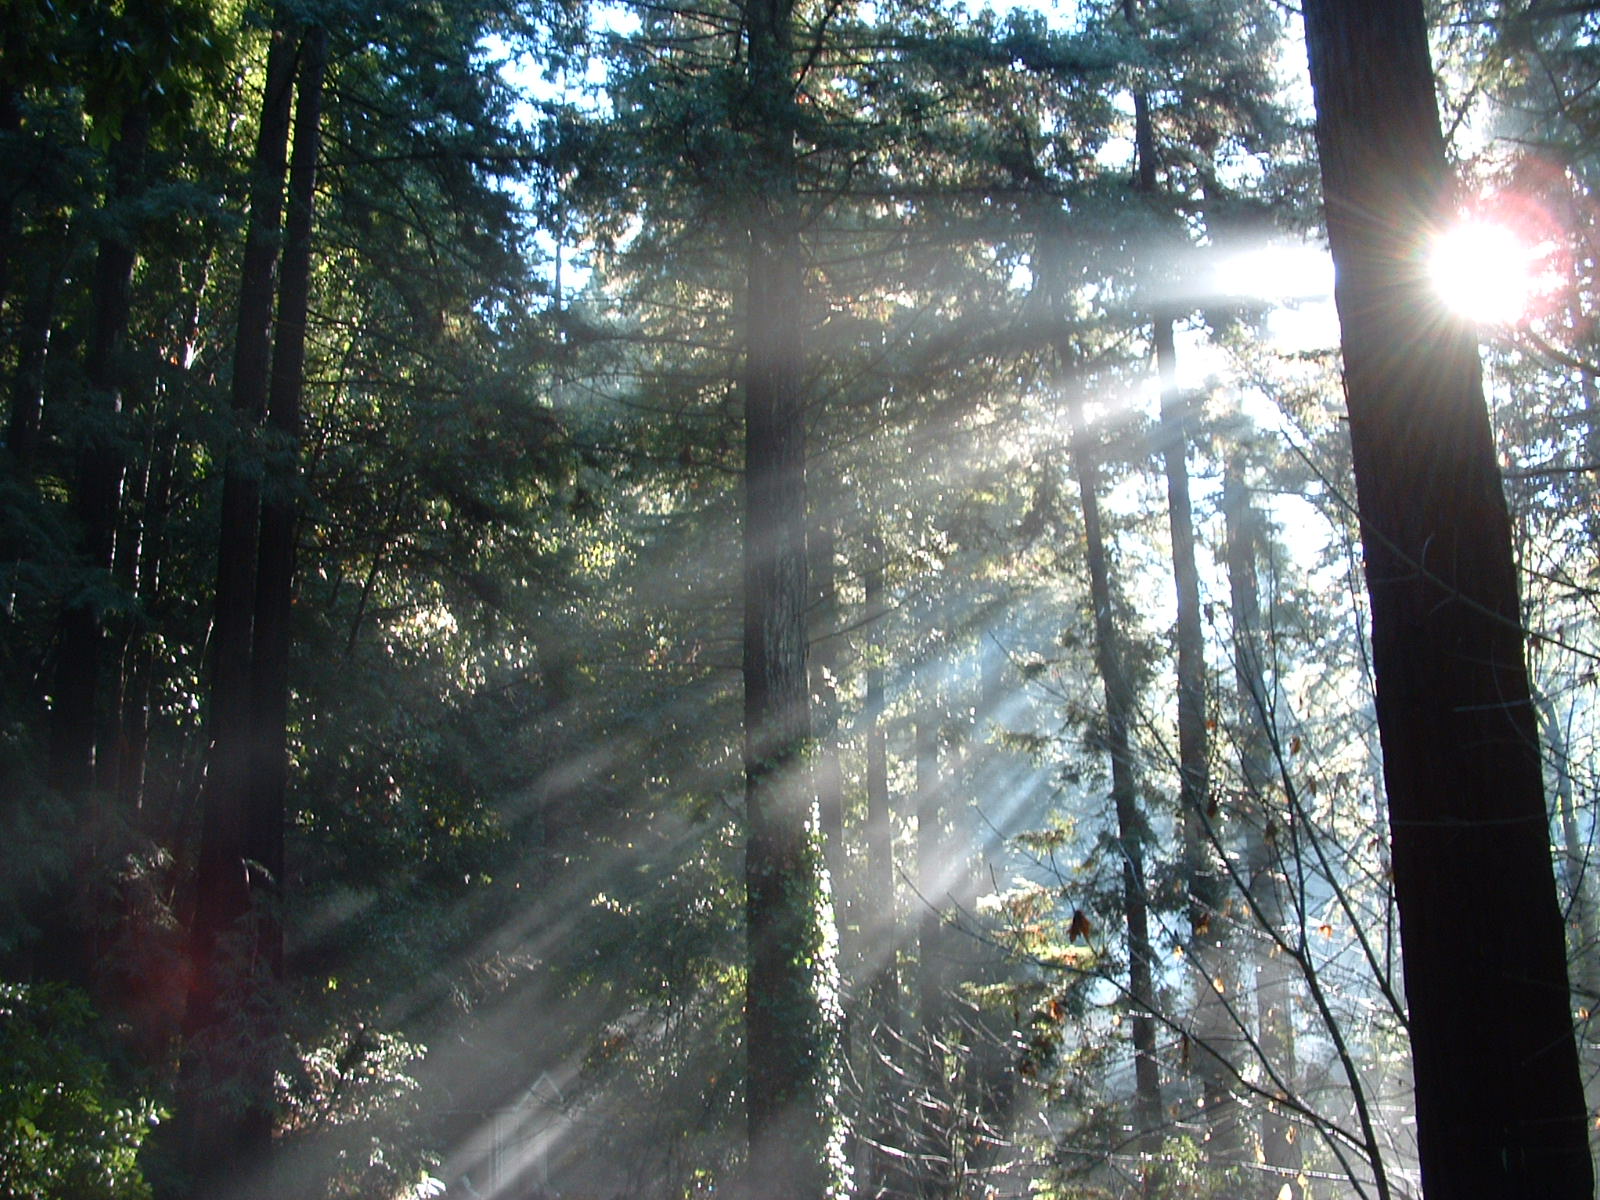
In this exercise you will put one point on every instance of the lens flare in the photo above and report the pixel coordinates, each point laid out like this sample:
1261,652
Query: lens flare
1498,264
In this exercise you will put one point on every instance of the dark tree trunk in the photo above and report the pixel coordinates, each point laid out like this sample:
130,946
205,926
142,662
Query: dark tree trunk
98,479
1500,1110
790,1033
38,306
12,52
1280,1146
1131,832
269,661
1213,974
223,1123
134,719
69,926
122,630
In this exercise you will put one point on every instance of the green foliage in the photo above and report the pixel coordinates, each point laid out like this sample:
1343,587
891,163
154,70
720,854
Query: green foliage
517,800
350,1105
67,1132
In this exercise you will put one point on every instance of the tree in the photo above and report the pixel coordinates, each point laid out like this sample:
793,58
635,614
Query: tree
1263,880
790,1034
1461,761
227,1106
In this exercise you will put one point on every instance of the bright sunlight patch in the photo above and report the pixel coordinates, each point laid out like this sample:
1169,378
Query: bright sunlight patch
1493,269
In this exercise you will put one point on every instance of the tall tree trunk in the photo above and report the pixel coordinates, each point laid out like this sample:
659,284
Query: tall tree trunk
38,309
1203,881
1480,928
828,778
134,720
12,53
932,1118
880,929
790,1029
98,478
1131,830
269,658
827,769
67,950
1280,1147
1214,972
223,1123
931,981
122,631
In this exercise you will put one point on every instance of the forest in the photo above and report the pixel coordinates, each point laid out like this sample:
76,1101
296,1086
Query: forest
782,599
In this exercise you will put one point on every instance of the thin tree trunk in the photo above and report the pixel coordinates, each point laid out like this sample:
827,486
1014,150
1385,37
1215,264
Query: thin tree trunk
1575,862
1202,878
26,415
932,1118
828,779
122,632
1280,1147
1214,973
12,52
1481,932
931,980
1131,831
880,929
827,769
134,721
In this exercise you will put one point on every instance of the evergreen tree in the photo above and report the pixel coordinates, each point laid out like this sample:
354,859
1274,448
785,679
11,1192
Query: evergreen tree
1461,765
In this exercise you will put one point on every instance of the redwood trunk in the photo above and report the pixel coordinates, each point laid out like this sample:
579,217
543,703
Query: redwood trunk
269,682
1500,1110
789,1031
223,1124
98,484
38,305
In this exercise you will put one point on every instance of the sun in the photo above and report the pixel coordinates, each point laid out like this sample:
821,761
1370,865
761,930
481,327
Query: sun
1486,271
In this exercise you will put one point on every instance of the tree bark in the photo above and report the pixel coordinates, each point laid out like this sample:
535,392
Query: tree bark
38,310
1131,831
269,658
790,1021
1481,934
98,478
223,1123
